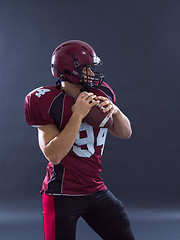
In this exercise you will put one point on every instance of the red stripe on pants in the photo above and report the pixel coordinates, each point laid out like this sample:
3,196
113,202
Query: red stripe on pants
49,217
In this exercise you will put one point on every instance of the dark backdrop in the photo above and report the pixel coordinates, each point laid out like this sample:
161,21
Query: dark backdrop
139,43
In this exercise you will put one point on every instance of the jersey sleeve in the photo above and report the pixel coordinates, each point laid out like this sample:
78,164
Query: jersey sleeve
37,107
108,90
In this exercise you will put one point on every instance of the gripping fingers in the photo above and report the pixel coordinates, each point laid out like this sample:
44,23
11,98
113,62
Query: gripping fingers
111,112
94,103
91,99
88,98
85,95
84,103
106,105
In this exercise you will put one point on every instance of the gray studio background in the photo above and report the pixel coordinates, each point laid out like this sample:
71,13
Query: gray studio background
139,43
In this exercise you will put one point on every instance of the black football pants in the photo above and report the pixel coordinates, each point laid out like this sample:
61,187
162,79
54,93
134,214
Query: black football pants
102,211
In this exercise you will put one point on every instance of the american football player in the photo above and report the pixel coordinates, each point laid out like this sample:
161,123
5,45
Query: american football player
72,187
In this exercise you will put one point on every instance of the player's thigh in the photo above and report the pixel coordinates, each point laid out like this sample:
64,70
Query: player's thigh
60,215
109,219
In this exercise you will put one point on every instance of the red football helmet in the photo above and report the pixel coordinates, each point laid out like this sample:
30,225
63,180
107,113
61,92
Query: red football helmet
70,58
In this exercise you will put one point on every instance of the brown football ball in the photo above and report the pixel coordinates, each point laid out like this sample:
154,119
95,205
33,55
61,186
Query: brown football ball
97,118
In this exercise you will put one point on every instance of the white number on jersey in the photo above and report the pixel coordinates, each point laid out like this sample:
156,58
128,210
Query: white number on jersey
101,138
88,141
41,92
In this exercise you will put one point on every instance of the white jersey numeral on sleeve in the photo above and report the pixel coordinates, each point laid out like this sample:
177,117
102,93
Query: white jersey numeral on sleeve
41,92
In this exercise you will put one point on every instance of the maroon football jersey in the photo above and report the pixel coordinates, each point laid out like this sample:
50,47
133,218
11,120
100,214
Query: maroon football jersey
78,172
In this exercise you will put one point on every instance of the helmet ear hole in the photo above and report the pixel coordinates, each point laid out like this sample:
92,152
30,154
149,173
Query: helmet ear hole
66,71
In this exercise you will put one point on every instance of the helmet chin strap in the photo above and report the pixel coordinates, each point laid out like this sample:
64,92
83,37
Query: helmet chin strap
59,83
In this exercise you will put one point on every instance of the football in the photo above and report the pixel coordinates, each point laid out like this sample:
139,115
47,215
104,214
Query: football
97,118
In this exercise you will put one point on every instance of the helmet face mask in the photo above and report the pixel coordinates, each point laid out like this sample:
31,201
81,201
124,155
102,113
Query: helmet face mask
71,62
90,80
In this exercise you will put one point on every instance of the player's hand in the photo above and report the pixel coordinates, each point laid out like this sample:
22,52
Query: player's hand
106,105
84,103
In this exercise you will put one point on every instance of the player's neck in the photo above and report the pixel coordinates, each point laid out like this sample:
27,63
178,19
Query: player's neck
71,89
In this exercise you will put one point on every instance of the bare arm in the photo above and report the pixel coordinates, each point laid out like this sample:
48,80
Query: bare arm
121,127
54,144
